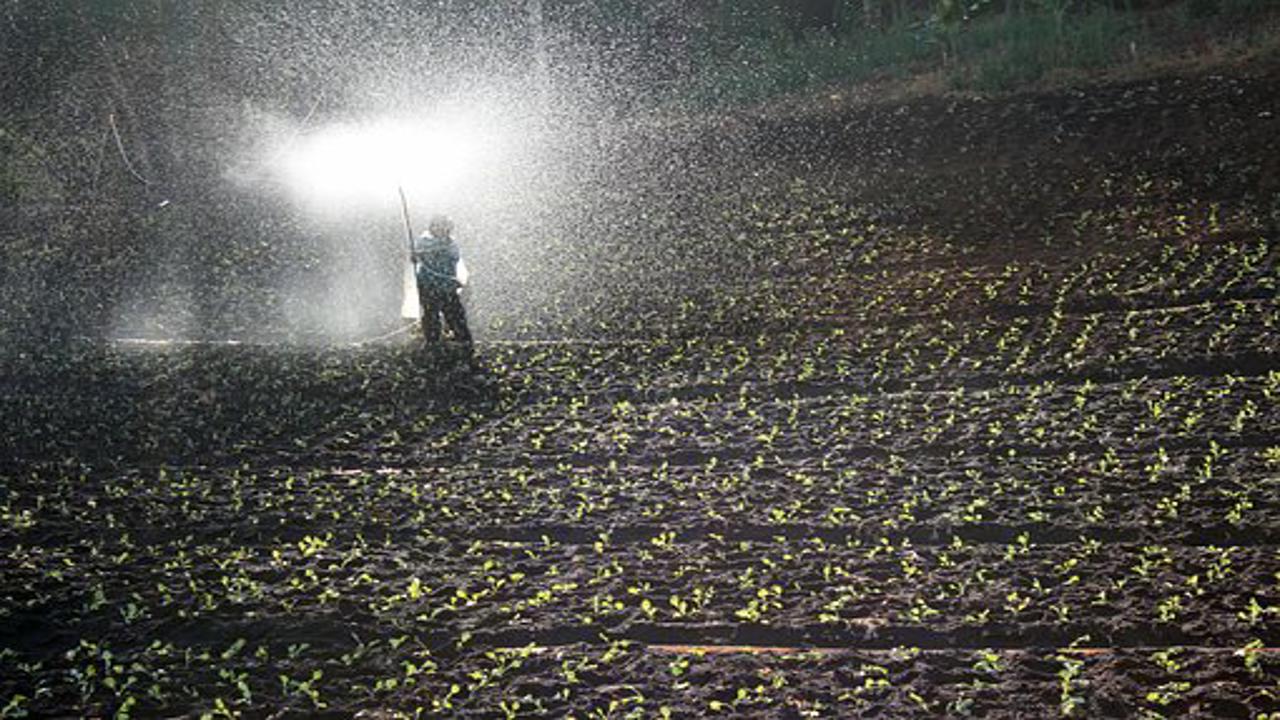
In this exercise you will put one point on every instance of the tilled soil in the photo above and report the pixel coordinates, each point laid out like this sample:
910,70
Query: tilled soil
958,408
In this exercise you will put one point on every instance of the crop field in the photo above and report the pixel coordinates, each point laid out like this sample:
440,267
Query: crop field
814,454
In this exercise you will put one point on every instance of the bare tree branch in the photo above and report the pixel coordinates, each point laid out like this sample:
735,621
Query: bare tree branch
111,120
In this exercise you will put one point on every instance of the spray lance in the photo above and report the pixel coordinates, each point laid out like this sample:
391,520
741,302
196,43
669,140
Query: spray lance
410,307
404,212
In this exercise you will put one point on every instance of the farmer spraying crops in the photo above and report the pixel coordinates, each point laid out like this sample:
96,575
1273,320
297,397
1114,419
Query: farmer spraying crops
441,276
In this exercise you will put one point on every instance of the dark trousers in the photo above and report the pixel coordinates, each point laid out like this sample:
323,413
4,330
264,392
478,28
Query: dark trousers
437,303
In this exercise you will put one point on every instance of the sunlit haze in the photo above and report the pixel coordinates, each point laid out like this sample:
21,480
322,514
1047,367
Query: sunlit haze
361,161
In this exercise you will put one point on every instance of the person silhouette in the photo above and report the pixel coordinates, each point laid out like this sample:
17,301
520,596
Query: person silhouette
441,275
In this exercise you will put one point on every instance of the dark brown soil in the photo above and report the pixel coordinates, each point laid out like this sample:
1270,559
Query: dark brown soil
944,408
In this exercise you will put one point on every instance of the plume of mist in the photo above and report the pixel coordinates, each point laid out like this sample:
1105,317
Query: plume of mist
228,246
